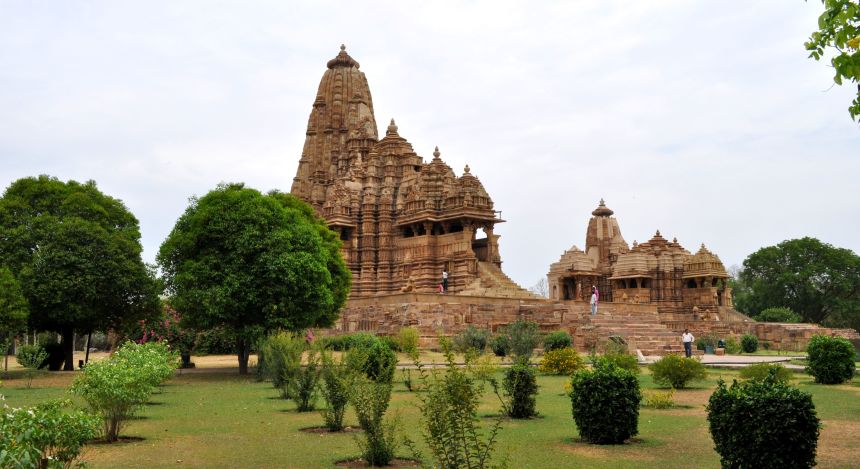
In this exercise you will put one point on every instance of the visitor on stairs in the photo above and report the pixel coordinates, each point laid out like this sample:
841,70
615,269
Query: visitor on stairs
594,297
687,339
444,281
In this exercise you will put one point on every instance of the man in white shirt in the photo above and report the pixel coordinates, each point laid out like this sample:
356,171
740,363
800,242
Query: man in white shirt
444,281
687,339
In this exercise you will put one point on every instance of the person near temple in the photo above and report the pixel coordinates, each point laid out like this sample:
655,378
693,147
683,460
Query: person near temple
444,280
687,338
594,298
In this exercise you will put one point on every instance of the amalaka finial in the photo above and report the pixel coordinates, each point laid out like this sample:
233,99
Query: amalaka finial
657,235
436,153
466,169
343,47
602,210
675,240
342,60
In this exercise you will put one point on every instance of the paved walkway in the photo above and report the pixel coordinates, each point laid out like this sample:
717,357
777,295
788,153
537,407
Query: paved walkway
740,361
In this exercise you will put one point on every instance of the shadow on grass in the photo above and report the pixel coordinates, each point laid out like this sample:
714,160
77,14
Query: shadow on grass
122,440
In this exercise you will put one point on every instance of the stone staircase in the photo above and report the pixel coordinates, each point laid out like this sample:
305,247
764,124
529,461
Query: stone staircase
641,329
492,282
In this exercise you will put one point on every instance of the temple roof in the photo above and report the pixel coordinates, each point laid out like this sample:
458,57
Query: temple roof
602,210
704,264
342,60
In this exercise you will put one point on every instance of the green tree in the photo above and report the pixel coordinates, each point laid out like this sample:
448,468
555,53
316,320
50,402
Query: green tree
838,36
77,254
814,279
13,310
250,261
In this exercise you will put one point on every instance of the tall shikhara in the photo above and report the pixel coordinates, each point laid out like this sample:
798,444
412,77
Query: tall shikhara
402,221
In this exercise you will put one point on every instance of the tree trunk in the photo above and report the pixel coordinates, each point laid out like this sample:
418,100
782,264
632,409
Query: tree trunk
243,353
87,356
69,348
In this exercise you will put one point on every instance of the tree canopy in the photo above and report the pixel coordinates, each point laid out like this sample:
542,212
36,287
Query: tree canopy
838,36
13,307
818,281
77,255
253,262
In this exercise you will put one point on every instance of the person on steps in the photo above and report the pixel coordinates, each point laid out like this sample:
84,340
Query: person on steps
594,298
444,280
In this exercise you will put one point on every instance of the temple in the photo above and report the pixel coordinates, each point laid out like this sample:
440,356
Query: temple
656,272
403,221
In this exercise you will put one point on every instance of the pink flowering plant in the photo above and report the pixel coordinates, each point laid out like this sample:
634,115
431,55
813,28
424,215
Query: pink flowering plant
168,329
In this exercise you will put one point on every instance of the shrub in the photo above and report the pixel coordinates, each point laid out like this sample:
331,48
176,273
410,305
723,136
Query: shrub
359,340
763,424
749,343
482,367
759,371
561,362
677,371
303,386
732,346
621,360
659,400
153,362
471,338
605,403
379,362
391,342
523,337
114,390
831,359
556,340
501,345
520,388
283,360
45,435
449,418
31,357
370,400
407,340
337,380
778,315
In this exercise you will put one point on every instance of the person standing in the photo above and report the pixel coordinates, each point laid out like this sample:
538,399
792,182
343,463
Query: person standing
594,298
444,280
687,339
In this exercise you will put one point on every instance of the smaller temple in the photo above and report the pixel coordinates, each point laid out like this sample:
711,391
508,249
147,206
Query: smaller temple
657,272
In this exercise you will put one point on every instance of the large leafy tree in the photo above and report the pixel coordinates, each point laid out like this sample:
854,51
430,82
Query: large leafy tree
838,37
252,262
814,279
13,308
77,255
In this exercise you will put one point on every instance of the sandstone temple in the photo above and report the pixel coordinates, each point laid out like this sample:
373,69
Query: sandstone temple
404,220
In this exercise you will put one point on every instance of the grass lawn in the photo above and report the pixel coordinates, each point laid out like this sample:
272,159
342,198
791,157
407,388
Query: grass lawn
212,417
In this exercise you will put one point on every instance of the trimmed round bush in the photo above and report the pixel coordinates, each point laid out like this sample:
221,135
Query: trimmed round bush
749,343
380,363
831,359
605,404
765,424
621,360
557,340
677,371
521,386
501,345
561,362
760,371
472,338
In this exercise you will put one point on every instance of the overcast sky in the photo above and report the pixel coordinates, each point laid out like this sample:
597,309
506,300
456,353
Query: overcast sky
704,120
